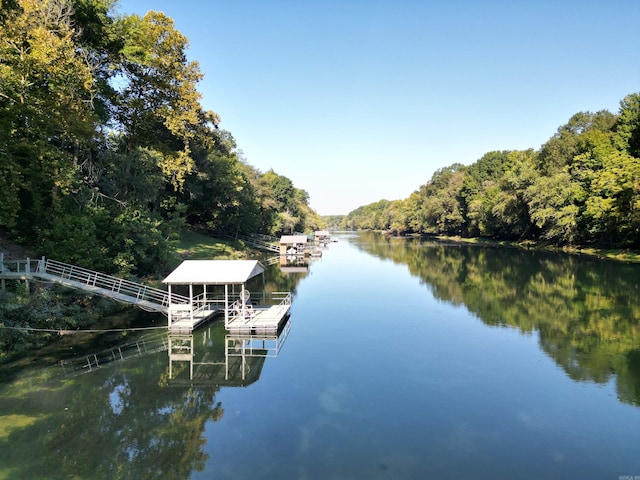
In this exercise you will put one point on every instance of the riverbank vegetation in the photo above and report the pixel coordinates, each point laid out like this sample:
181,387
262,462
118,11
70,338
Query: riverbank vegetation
581,189
106,153
43,313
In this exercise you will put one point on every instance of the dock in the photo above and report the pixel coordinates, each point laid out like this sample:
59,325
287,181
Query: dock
219,287
260,319
198,290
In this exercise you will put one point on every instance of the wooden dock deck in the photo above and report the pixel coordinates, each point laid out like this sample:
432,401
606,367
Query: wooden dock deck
256,319
260,320
188,324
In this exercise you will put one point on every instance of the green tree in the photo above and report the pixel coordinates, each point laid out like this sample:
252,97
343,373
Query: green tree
583,185
441,212
284,207
367,217
436,205
282,190
158,104
554,206
612,179
219,194
510,208
46,96
395,217
560,149
479,191
479,209
105,149
627,137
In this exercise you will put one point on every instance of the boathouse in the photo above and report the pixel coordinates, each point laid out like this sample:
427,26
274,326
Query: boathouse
220,287
293,244
322,236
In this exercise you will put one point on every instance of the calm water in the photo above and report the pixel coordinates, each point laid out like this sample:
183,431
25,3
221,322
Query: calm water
402,360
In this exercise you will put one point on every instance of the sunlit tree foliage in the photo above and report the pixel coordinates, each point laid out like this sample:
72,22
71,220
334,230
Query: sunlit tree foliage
581,187
105,149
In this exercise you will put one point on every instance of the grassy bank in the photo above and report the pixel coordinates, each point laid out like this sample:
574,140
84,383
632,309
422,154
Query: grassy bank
197,246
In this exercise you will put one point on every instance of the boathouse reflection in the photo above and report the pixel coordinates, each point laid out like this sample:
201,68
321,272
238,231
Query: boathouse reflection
215,356
294,264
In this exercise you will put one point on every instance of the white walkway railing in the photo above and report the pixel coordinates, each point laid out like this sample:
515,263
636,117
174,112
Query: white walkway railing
95,282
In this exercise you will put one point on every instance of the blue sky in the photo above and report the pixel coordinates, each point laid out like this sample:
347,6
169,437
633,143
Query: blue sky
360,100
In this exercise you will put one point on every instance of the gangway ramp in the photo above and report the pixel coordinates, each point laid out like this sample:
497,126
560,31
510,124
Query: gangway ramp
261,242
143,296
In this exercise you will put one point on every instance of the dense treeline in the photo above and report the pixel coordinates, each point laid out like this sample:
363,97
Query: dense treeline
105,149
581,187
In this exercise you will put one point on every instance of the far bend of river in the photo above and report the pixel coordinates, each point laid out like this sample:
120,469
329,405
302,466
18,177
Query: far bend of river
402,360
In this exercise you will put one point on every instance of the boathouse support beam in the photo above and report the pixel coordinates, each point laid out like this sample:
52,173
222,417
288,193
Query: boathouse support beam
191,301
169,306
226,305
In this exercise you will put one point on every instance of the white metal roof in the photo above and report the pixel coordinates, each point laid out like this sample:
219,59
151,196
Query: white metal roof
214,272
293,239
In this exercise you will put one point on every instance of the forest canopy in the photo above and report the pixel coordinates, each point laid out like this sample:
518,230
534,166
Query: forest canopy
106,153
582,187
105,149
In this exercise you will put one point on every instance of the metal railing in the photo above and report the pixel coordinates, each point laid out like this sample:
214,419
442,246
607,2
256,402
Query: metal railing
256,345
265,238
10,268
280,298
258,243
143,346
207,301
240,310
86,278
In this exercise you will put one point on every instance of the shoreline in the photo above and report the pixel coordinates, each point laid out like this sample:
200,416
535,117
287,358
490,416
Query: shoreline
618,254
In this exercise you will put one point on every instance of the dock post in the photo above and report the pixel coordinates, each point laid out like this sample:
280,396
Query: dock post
169,307
226,306
27,270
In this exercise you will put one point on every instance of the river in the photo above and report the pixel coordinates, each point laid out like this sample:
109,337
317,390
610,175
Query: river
402,359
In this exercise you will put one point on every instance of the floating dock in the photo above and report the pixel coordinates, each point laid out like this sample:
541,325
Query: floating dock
259,319
197,291
219,287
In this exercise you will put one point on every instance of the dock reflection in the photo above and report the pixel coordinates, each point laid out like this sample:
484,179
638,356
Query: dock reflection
215,356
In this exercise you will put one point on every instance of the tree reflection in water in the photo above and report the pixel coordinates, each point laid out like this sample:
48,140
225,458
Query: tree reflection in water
586,311
138,416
